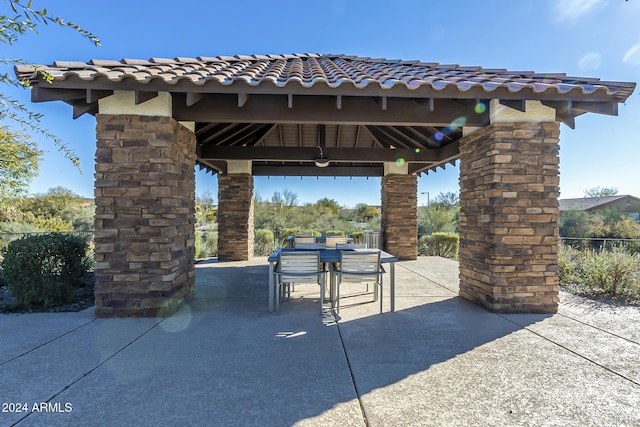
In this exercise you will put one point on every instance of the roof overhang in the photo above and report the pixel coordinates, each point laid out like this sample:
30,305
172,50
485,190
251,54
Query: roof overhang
277,110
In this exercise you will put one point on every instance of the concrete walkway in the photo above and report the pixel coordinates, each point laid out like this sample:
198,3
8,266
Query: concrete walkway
223,360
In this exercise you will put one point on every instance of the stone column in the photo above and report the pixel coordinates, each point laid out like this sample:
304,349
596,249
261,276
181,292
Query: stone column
144,223
400,213
509,215
235,213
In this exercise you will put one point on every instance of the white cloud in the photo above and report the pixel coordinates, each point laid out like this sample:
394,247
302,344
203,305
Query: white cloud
570,11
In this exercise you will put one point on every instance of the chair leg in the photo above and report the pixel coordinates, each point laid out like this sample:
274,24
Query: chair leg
338,294
321,277
380,284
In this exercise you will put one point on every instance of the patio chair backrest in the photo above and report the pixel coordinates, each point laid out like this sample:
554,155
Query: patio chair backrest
303,266
351,245
333,240
304,245
303,239
360,266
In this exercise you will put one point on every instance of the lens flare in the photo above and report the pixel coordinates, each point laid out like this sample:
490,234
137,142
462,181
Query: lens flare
179,321
590,61
458,123
400,161
480,107
633,55
438,136
417,150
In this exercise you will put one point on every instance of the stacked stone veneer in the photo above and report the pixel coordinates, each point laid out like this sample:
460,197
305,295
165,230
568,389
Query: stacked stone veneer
144,223
235,217
509,216
400,215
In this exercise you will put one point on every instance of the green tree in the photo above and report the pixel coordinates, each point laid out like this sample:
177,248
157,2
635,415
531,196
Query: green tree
52,204
574,223
600,191
19,19
19,162
448,200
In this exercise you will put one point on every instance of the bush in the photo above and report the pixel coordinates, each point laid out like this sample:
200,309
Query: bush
357,236
334,233
206,244
615,272
45,270
439,244
263,242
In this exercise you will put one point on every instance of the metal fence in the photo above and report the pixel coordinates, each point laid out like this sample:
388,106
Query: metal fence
600,244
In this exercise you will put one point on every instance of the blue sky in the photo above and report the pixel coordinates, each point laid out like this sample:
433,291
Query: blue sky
595,38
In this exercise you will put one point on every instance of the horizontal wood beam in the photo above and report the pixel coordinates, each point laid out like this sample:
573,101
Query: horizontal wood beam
354,155
44,94
323,110
312,170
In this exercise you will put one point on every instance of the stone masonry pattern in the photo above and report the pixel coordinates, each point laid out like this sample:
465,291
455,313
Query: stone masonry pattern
509,238
144,222
235,217
399,215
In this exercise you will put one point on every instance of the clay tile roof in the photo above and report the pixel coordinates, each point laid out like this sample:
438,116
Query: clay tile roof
333,71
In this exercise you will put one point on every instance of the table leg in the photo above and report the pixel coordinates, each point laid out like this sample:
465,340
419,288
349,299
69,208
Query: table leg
271,287
392,274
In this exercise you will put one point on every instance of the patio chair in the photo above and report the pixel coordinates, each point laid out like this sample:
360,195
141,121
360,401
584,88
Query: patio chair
303,238
305,245
359,267
298,267
351,246
332,240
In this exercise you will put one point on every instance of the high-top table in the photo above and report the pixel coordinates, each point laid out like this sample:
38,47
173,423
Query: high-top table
332,256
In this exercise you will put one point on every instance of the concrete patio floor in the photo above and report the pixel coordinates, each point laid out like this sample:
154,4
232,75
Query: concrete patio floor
223,360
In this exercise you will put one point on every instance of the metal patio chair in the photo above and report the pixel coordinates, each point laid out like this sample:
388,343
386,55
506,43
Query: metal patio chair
359,267
298,267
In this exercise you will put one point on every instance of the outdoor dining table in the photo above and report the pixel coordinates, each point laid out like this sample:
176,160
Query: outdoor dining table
331,256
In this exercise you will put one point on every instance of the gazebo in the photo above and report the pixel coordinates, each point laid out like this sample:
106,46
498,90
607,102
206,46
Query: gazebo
321,115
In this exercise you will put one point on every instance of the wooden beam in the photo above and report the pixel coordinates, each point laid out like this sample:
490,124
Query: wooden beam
141,97
516,104
43,94
242,99
309,154
80,108
95,95
606,108
312,170
316,110
193,98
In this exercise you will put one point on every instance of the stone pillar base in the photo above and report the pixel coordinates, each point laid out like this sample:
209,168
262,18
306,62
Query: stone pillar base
509,239
144,222
235,217
400,215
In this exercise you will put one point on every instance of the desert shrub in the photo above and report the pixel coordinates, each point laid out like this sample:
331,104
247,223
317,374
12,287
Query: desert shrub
568,260
263,242
357,236
439,244
615,272
45,270
206,244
